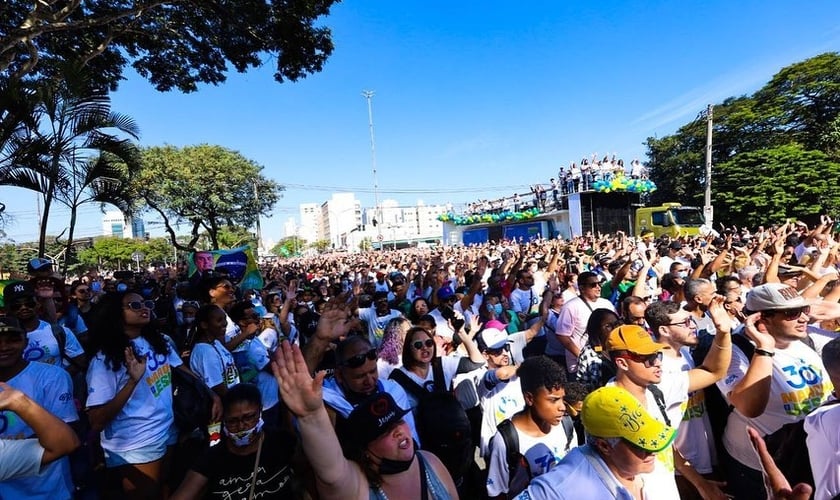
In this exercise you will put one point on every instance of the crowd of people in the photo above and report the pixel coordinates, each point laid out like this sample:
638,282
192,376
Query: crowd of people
575,178
606,366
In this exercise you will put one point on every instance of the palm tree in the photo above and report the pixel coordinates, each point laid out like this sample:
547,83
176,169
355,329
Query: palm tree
75,151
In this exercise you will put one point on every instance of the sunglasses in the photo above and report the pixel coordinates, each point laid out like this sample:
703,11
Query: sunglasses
247,419
648,360
593,284
791,314
359,359
687,322
423,343
14,306
496,352
136,305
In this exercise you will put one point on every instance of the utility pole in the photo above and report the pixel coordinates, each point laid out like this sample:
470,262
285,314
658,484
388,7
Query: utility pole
259,231
707,208
368,94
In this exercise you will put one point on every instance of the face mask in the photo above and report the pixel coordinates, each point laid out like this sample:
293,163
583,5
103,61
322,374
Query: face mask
683,274
388,466
246,437
189,321
497,309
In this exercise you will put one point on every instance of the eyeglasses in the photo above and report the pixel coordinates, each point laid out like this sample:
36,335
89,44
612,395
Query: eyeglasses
136,305
14,306
687,322
359,359
648,360
248,419
791,314
593,284
421,343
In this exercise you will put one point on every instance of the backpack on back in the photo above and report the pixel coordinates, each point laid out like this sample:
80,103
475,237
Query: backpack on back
519,472
442,424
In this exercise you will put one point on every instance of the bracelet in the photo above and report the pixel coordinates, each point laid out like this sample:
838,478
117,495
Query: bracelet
764,352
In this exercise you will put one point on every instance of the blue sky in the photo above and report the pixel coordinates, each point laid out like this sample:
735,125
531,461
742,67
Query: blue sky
473,99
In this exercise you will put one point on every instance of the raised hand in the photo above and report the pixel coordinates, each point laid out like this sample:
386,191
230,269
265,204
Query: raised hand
10,398
757,332
301,393
136,366
776,481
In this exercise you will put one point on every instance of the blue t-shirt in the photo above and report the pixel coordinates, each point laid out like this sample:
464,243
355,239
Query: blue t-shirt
49,386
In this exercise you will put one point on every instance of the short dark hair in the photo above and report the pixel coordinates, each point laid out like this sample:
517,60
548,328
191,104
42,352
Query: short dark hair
540,371
658,314
248,393
831,356
347,344
582,277
237,312
575,391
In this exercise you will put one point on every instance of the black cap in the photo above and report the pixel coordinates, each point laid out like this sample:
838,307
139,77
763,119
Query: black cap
372,418
10,325
17,290
675,245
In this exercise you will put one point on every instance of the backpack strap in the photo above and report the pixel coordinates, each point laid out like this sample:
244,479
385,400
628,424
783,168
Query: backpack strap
511,440
409,385
569,428
437,375
61,337
744,344
660,401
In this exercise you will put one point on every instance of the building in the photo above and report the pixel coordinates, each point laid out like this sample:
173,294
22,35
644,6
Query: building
340,216
115,224
310,223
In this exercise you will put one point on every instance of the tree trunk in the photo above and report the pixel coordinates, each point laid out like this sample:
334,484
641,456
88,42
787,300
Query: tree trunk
42,237
69,238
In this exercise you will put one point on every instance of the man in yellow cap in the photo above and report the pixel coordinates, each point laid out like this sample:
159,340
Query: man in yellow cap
622,440
638,361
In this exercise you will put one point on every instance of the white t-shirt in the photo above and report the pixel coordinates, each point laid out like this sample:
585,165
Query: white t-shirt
799,384
147,416
541,453
524,301
42,346
694,437
823,443
269,338
50,387
450,369
376,324
498,404
572,323
19,458
214,364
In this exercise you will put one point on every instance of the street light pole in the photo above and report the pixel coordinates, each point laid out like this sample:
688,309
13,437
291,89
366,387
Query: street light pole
368,94
259,231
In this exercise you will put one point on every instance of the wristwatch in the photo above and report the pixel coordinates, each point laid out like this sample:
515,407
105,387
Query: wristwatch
764,352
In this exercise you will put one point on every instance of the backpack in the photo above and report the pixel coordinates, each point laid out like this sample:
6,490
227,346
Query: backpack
442,424
192,402
519,472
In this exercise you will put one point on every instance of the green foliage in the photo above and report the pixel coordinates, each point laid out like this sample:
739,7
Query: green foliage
172,43
321,246
115,253
290,246
772,184
71,149
366,244
800,105
206,187
231,237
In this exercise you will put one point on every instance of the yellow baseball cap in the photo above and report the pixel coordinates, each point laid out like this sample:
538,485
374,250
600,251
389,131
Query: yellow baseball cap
632,338
612,412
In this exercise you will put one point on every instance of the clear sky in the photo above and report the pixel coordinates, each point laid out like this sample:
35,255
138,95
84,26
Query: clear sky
473,99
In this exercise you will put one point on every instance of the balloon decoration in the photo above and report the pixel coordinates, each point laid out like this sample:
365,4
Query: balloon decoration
487,218
624,184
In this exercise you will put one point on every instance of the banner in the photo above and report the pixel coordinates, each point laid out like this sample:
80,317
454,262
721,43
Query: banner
239,263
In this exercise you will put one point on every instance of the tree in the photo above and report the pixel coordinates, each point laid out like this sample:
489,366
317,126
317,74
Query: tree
231,237
70,154
321,245
204,186
173,43
366,244
772,184
110,252
804,98
289,246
